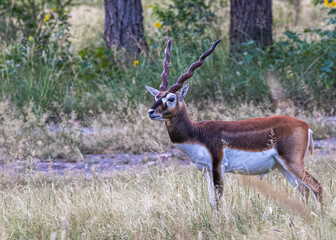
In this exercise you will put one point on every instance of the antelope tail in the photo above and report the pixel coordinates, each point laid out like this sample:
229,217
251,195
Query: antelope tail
310,147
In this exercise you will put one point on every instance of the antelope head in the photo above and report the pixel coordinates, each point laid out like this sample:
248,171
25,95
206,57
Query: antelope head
169,102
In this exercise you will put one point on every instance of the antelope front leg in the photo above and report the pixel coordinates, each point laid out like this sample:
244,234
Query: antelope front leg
218,180
211,187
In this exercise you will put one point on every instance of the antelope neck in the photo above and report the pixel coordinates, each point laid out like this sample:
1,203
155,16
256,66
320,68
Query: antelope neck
180,127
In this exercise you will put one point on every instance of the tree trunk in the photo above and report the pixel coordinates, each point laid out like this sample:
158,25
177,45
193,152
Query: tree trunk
250,20
123,25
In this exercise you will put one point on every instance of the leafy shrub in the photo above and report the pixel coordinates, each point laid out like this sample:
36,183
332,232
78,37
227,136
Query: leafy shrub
308,68
19,16
34,67
44,69
186,19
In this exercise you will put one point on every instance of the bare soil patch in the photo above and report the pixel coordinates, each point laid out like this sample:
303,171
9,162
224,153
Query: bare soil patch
104,164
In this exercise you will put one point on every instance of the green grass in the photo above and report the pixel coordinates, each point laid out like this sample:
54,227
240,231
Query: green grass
76,74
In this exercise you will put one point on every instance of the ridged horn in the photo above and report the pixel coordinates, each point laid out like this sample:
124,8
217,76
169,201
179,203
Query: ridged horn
164,74
179,84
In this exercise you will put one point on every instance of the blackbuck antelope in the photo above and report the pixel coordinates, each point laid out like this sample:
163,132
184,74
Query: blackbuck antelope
252,147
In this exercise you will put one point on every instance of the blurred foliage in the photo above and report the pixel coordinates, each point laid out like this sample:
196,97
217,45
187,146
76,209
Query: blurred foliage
185,19
308,68
36,65
40,66
25,17
21,16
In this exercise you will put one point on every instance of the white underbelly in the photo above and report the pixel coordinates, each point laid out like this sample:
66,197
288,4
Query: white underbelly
251,163
198,154
236,161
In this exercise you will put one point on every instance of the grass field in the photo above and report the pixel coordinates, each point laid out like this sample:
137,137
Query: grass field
154,203
61,80
28,137
165,203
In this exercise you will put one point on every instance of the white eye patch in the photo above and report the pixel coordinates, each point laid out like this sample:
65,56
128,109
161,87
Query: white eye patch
169,103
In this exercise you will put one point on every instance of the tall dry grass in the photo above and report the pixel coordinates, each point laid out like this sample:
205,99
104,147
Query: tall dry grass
30,137
156,203
170,203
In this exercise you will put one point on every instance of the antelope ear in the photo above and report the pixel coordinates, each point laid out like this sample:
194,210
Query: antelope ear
152,91
183,92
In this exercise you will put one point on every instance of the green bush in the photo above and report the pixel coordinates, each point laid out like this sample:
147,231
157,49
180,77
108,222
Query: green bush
186,19
308,68
36,67
44,69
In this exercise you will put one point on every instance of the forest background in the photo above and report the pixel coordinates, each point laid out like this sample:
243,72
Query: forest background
66,96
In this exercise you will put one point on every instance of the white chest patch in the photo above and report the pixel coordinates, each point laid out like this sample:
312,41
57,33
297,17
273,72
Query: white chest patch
250,163
197,154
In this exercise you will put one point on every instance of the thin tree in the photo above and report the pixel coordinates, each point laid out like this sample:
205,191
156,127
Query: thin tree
123,25
250,20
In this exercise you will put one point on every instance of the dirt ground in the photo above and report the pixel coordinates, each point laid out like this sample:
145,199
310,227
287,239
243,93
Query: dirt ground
104,164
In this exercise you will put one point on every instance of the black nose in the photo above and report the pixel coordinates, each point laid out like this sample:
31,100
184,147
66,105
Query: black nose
151,112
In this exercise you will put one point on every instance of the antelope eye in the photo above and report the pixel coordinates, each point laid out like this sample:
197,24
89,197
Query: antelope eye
171,99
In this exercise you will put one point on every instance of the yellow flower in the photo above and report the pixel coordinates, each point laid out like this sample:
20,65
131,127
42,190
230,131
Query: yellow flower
135,63
47,17
31,39
157,25
53,10
326,3
333,4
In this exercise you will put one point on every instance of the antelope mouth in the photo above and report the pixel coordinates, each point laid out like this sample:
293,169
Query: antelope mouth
157,118
153,116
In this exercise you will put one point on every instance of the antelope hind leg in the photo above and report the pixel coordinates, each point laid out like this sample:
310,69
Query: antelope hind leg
296,182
